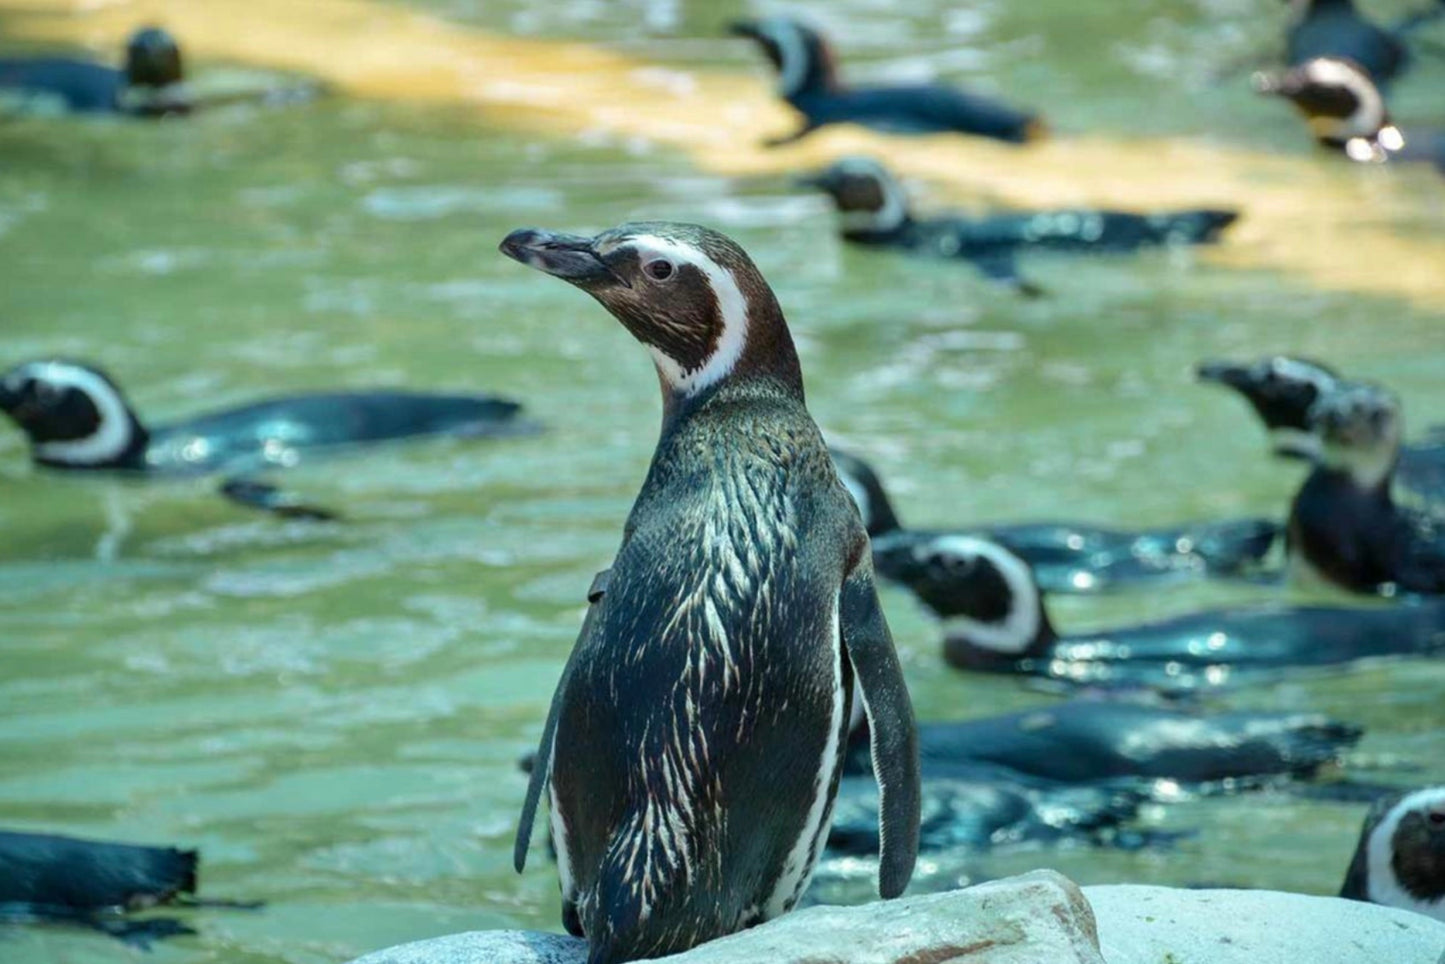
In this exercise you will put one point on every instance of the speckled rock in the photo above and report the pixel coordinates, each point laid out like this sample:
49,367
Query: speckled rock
1150,925
1035,918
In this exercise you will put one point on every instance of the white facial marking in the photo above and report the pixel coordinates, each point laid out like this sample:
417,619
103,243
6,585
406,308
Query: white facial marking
111,437
732,309
1018,630
1370,461
1370,115
792,50
895,203
1302,371
1383,886
798,867
1295,441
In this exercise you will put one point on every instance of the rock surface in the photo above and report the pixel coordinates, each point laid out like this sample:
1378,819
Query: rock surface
1038,917
1150,925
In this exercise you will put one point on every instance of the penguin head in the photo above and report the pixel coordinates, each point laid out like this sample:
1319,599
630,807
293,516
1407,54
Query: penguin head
1001,613
1281,388
691,295
74,415
1341,104
152,59
799,53
864,191
1400,860
867,491
1359,425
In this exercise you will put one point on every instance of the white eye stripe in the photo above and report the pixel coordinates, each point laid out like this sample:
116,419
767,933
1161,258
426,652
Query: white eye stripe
732,311
1370,115
1020,627
792,51
115,431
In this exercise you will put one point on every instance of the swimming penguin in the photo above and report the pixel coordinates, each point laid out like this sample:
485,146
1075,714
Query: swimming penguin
975,814
1007,630
1156,748
1336,29
1347,113
874,211
737,616
1066,557
1345,527
47,878
808,80
1400,859
77,419
148,85
1282,388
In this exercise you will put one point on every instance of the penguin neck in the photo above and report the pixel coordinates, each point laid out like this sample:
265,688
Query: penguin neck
808,74
766,367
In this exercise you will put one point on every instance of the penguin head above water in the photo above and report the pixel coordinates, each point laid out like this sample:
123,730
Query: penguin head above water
1005,615
1281,388
691,295
801,56
74,415
153,59
1400,859
1359,426
866,193
1341,104
867,491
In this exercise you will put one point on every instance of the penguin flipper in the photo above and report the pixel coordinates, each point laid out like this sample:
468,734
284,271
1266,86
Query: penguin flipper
268,498
1003,269
894,737
542,766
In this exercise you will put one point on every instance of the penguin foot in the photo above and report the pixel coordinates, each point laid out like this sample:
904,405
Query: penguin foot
268,498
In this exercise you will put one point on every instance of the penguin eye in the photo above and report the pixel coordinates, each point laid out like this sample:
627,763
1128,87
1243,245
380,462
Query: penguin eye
658,270
1437,818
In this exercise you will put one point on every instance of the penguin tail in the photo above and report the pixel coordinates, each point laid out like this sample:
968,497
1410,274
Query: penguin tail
1202,226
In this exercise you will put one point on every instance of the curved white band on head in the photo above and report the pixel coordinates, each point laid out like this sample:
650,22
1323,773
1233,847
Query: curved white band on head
1016,632
1370,115
895,204
792,52
1383,886
111,437
732,311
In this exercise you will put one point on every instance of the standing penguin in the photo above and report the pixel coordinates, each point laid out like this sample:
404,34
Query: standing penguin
696,738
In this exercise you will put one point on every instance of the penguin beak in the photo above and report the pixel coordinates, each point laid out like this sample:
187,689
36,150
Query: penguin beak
1273,83
567,256
1224,373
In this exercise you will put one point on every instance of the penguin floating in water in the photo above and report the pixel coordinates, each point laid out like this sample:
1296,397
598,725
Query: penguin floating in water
1347,113
77,419
1345,527
808,80
1007,630
1336,29
148,85
1282,388
696,738
45,878
1152,749
1400,859
971,814
874,211
1067,557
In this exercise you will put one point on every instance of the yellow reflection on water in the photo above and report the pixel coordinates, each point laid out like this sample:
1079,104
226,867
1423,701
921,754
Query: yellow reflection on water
1314,217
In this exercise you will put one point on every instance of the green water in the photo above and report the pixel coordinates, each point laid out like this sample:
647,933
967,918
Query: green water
332,713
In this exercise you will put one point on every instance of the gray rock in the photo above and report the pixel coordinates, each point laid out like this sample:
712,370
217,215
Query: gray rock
1149,925
485,947
1037,918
